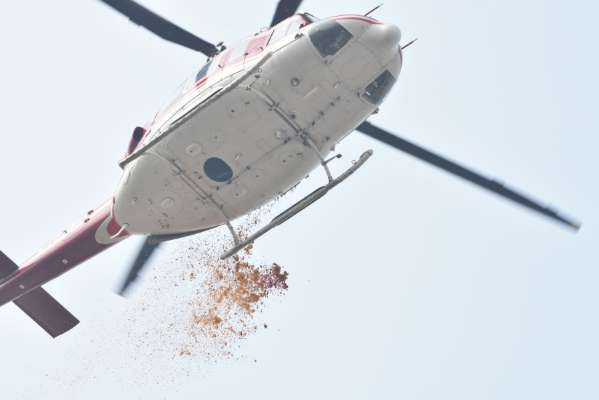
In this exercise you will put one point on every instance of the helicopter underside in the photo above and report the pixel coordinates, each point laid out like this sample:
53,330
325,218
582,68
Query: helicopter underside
249,138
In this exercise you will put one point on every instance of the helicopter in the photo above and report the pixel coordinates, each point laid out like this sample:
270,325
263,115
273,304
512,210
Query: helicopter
255,120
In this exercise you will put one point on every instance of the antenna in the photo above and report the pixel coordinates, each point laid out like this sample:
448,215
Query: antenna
409,44
373,10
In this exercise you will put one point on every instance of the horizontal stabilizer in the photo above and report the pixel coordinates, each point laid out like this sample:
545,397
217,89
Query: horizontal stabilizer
47,312
7,266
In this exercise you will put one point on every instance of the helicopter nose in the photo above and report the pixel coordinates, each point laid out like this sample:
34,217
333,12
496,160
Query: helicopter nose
383,40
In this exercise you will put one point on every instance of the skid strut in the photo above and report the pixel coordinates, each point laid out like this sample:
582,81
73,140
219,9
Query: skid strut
299,206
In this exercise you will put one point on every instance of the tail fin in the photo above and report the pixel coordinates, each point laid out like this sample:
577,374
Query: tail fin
39,305
7,267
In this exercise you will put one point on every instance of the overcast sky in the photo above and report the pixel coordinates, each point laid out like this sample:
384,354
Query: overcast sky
405,283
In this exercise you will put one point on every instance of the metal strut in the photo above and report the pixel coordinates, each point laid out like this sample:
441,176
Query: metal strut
323,162
233,233
300,205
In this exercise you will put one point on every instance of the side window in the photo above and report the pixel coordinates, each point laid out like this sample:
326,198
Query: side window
203,72
379,88
329,37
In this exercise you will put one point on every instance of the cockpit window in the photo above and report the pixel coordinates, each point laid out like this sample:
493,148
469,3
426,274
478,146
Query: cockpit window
375,92
203,72
329,37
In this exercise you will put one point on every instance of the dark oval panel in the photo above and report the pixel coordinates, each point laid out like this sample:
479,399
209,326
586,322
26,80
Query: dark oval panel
218,170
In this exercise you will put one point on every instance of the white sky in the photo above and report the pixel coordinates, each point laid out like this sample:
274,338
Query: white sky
404,282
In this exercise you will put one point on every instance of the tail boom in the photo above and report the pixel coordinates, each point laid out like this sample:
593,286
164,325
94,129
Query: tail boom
97,233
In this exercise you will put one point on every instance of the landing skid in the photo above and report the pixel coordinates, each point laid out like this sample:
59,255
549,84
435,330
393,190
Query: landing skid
297,207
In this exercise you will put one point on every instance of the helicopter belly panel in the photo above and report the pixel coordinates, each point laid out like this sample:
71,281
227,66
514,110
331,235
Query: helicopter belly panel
153,198
243,149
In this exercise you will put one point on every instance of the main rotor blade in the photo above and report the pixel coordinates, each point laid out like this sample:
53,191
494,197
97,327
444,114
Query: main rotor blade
285,9
160,26
143,256
467,174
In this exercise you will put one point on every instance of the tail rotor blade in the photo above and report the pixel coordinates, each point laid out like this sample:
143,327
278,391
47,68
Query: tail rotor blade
167,30
464,173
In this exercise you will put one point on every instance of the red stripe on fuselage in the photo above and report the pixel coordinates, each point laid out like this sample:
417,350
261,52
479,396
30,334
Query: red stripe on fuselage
358,18
66,253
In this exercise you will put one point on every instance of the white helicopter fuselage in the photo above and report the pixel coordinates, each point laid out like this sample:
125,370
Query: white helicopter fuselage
251,124
255,121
